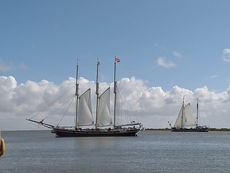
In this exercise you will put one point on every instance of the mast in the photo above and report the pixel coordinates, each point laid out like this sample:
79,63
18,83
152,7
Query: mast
77,95
115,91
115,95
182,114
197,108
97,93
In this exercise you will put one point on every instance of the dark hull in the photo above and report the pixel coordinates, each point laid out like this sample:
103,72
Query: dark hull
201,129
94,133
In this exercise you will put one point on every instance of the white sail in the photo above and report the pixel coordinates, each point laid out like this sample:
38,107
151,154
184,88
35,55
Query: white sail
178,123
85,116
104,117
188,119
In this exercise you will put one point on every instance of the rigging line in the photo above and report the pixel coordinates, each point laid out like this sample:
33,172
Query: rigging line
124,114
120,106
35,114
45,117
119,110
65,102
40,113
76,109
65,112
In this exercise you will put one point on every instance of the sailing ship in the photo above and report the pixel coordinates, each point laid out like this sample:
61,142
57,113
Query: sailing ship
103,125
186,122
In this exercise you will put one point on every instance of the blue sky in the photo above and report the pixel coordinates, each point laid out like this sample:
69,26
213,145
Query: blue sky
41,40
168,49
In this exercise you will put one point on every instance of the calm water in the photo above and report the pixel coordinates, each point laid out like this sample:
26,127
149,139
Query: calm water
151,151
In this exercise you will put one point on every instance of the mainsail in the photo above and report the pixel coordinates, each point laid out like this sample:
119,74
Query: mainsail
188,119
85,116
104,117
178,123
185,117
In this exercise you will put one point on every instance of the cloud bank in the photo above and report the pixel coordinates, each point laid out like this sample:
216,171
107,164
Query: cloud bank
152,106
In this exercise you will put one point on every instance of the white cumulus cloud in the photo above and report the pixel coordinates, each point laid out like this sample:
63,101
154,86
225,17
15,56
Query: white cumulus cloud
226,55
153,106
177,54
163,62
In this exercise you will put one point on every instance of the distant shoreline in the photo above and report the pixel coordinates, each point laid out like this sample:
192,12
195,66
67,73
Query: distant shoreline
168,129
147,129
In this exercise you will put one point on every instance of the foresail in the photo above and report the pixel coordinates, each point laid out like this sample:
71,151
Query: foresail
104,117
179,119
188,119
85,116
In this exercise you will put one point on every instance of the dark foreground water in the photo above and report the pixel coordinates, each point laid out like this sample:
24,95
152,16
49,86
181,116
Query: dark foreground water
150,152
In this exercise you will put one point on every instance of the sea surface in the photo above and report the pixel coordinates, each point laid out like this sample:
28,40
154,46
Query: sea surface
150,152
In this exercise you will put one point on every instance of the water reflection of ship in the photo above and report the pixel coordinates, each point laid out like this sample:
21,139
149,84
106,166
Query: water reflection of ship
84,117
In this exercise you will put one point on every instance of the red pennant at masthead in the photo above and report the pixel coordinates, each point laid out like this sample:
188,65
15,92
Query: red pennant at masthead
117,59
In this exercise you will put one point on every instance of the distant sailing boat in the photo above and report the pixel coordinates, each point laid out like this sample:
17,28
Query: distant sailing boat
185,121
84,115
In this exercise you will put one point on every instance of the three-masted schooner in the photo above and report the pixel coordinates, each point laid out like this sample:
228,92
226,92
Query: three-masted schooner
185,120
84,115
